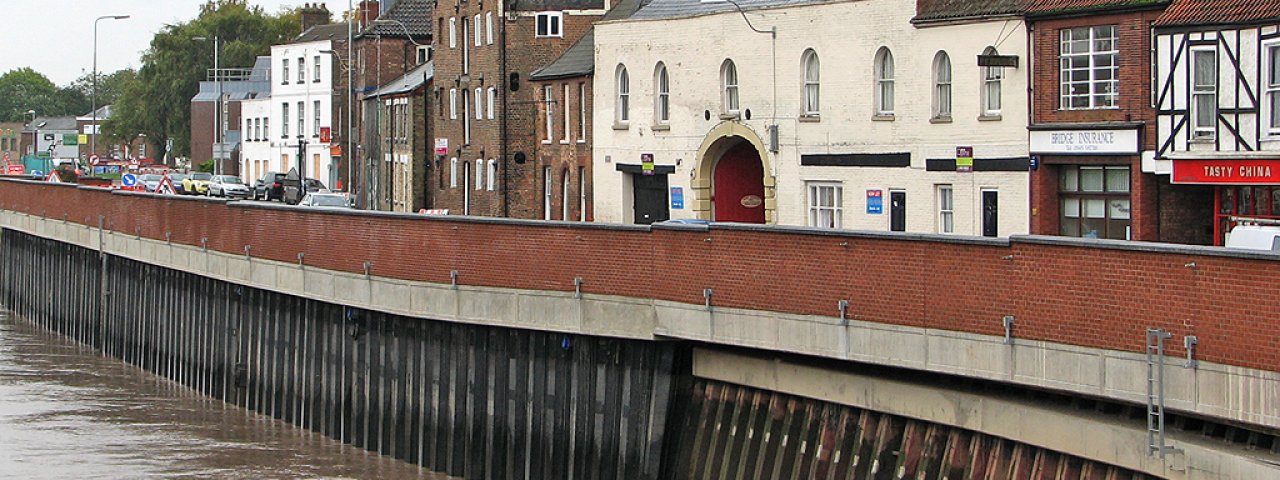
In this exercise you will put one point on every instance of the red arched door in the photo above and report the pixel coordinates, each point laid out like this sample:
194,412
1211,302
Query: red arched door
739,186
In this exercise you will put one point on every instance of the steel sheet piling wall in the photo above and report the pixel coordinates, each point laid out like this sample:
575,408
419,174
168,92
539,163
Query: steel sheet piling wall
471,401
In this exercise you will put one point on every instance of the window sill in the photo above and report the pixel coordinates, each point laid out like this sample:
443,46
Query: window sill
941,119
810,119
1201,140
661,127
990,118
729,116
621,126
546,142
882,117
581,141
564,142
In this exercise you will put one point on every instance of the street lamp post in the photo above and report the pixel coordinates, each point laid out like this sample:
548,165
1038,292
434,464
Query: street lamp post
93,138
302,166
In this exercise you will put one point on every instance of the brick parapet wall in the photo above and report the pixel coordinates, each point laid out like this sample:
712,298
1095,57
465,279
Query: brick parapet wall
1089,293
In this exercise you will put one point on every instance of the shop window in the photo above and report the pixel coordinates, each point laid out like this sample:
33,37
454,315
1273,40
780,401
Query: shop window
1251,202
1095,201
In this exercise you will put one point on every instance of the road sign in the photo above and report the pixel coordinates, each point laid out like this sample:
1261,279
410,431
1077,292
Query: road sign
93,159
128,179
53,177
15,170
166,187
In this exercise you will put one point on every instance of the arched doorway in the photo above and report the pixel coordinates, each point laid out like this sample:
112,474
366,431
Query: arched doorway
737,190
736,152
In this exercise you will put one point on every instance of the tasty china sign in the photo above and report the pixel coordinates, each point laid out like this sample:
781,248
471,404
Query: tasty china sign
1227,172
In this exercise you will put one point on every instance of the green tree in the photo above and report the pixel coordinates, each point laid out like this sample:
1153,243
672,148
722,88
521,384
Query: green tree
25,89
110,86
158,103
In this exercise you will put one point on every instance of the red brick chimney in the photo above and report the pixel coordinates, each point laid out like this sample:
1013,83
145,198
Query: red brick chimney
369,10
313,14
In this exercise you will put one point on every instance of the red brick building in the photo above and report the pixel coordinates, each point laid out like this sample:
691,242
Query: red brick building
1093,125
487,159
387,46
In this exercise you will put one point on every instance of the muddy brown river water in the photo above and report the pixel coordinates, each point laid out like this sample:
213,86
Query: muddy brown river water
66,411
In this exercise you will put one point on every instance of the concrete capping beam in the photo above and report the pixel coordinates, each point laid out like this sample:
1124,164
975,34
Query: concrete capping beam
1229,393
1116,441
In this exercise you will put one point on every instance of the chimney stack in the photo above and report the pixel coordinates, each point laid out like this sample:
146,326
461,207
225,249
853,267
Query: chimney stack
369,10
312,14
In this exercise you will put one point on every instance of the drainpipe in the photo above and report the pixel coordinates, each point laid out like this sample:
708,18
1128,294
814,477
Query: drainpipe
506,100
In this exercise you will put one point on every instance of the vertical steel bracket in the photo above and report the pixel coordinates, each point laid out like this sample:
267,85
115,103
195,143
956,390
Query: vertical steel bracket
301,258
1008,329
843,305
1190,342
367,266
706,298
577,287
453,279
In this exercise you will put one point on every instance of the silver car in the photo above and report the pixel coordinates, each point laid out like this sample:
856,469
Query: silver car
326,199
228,186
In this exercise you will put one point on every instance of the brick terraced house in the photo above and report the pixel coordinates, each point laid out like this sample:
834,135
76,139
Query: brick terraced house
486,112
1092,129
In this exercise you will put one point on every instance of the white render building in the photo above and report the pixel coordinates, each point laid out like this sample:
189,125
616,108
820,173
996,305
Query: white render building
301,107
878,106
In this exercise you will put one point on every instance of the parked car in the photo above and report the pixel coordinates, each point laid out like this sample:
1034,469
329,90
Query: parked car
228,186
150,181
326,199
177,179
291,189
197,183
269,187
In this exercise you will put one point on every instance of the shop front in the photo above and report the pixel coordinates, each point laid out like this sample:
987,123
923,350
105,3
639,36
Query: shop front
1088,181
1244,189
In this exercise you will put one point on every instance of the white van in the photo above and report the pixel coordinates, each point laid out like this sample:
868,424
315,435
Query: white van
1255,237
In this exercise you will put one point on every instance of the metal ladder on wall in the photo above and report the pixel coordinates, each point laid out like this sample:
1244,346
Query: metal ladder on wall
1155,392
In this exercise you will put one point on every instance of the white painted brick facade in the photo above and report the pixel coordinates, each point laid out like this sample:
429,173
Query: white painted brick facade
845,35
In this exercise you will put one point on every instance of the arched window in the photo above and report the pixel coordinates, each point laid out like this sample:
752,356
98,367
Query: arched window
622,106
941,86
729,86
884,82
811,73
991,77
661,95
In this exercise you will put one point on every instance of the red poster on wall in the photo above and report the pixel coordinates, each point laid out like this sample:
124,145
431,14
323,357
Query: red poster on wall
1227,172
325,134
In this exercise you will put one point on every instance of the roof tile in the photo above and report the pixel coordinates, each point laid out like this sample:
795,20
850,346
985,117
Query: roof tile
1050,7
1210,12
927,10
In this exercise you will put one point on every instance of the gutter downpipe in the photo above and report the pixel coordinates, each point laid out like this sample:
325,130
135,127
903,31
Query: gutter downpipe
506,101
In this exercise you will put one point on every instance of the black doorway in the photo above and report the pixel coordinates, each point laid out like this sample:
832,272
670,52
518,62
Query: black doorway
990,213
650,196
898,211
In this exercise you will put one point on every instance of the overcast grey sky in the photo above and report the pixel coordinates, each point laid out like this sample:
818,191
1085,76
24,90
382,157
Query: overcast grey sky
55,37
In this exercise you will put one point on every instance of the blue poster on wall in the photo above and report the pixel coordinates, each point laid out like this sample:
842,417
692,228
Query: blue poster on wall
677,198
875,202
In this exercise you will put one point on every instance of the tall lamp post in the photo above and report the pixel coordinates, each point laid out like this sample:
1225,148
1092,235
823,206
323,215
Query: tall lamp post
216,142
93,138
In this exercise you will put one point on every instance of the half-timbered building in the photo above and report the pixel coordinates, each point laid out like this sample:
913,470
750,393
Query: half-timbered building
1217,77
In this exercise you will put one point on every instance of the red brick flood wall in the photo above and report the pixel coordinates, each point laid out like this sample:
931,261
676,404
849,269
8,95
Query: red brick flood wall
1080,292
